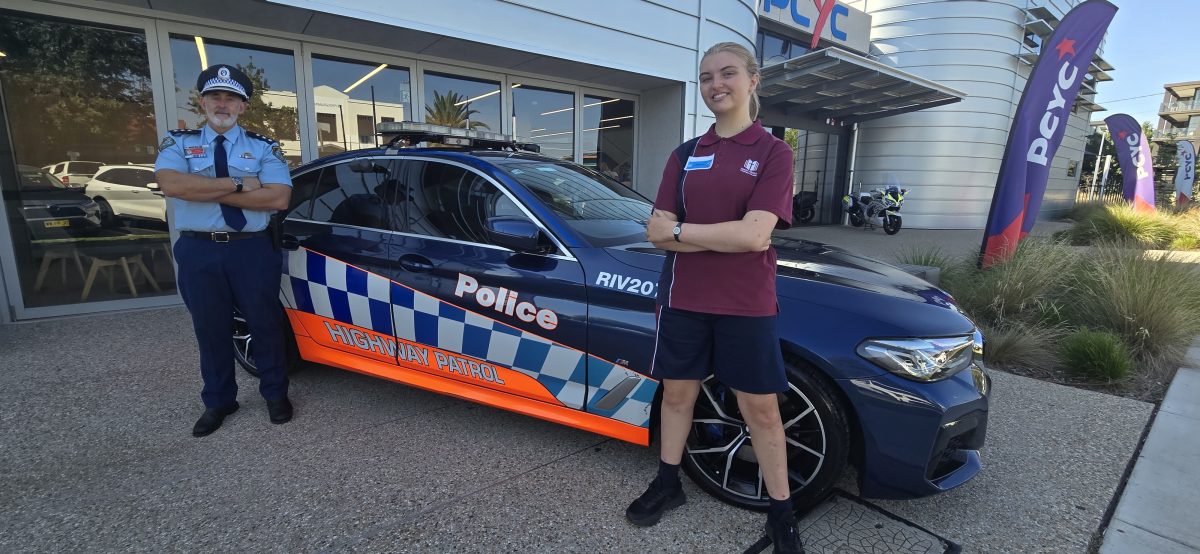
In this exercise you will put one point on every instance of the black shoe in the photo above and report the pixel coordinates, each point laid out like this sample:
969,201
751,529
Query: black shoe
280,410
211,420
785,537
652,504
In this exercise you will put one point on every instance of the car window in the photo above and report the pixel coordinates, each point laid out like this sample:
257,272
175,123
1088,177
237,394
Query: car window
82,168
348,198
449,201
142,177
105,176
120,176
606,212
37,179
302,194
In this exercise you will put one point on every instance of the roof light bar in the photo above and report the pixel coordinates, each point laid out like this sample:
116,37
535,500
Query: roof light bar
409,133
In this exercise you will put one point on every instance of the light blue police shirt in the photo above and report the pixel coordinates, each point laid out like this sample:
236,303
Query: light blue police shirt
249,155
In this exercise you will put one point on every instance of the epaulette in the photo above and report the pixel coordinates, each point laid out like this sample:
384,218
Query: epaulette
181,132
267,140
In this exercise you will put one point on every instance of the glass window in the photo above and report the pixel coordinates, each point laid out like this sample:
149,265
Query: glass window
272,111
302,194
774,50
462,102
351,95
547,118
346,197
77,94
448,201
599,208
608,137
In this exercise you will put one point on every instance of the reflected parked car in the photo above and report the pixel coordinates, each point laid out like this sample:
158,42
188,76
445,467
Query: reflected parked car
127,191
73,174
53,210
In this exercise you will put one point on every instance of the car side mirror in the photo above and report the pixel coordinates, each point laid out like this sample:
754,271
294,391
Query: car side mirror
518,234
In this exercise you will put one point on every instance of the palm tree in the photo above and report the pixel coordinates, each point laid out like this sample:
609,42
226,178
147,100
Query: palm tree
451,110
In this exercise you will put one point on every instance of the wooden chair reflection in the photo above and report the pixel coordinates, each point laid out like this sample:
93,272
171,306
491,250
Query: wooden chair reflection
130,265
60,255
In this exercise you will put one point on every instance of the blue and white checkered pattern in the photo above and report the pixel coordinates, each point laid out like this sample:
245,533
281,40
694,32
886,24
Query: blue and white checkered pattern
329,288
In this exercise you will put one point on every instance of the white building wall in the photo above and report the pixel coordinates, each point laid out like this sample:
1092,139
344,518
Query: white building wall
950,156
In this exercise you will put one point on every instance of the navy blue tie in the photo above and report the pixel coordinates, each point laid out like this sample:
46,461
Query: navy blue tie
234,217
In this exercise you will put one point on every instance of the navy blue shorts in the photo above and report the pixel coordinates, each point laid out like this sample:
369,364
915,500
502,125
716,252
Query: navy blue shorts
743,352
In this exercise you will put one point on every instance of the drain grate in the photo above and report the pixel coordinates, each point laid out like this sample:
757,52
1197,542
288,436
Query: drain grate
848,524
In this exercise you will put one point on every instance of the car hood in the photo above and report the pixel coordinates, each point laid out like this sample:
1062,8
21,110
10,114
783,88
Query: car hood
820,263
55,197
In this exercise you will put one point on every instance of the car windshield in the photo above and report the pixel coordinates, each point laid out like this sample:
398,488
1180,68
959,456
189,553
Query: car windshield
604,211
38,179
82,168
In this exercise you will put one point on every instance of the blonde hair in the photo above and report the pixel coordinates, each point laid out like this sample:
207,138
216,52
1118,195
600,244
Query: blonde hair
750,62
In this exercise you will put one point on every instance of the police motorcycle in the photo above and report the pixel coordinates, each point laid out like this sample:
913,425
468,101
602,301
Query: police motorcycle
804,206
876,207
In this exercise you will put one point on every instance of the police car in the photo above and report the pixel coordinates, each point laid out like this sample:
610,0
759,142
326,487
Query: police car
481,271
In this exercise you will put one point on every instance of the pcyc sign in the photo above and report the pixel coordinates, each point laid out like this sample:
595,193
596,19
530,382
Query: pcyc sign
827,19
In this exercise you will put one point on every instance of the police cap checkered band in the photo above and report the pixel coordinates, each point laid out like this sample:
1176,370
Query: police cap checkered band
224,77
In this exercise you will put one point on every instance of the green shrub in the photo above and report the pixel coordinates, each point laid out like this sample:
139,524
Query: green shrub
1020,345
931,256
1151,303
1015,290
1097,355
1121,223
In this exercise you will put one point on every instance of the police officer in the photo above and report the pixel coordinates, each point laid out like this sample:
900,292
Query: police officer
224,183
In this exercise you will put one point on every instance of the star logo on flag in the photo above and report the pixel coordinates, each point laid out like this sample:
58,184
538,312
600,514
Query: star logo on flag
1121,135
1065,45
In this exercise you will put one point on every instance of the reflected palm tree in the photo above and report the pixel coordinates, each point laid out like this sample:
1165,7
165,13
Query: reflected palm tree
451,110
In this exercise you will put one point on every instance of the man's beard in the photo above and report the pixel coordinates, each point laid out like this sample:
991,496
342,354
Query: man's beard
221,120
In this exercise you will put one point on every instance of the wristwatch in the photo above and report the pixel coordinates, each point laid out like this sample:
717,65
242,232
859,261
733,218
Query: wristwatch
237,182
676,230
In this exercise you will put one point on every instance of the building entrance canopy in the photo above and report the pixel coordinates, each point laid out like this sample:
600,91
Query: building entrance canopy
835,84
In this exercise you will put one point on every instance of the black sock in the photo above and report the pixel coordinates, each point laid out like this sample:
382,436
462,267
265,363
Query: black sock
668,475
780,512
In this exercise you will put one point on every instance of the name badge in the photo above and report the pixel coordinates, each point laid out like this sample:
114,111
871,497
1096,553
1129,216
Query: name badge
699,162
195,152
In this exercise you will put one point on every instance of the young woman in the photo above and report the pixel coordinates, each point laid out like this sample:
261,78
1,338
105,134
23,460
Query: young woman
717,304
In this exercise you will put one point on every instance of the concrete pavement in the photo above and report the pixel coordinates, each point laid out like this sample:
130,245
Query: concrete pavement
96,455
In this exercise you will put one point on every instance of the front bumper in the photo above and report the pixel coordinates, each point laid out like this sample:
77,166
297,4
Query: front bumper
919,439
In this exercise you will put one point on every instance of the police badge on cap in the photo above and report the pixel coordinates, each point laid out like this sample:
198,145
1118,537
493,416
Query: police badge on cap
224,77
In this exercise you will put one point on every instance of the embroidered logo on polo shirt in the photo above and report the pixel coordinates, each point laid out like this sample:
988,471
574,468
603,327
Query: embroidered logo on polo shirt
750,168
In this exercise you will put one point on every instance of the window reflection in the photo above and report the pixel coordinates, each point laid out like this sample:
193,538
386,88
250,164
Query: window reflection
350,96
462,102
547,118
607,137
78,106
272,111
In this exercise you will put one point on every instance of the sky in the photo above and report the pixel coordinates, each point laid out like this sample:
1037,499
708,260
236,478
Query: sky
1142,44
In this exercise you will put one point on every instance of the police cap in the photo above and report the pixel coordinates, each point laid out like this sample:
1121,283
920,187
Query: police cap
227,78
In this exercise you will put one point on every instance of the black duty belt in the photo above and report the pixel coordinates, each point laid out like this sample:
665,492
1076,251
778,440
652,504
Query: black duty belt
222,236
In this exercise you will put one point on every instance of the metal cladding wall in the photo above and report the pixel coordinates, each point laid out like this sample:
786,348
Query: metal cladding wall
950,156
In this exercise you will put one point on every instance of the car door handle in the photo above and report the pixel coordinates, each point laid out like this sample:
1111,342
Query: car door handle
289,242
416,263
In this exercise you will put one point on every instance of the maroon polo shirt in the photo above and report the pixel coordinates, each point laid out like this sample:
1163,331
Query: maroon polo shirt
748,171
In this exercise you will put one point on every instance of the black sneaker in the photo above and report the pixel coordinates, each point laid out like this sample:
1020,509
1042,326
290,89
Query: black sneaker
785,537
652,504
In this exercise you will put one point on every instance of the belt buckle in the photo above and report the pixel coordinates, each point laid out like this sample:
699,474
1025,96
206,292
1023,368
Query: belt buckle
220,236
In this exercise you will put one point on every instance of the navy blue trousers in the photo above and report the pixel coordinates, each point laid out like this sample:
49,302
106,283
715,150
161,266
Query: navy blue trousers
213,278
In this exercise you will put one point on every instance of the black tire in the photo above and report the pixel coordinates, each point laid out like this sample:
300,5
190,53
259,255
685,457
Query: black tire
805,216
891,224
719,455
243,345
856,219
108,218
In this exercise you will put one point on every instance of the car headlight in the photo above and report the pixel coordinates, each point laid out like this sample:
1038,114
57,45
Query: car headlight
923,359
